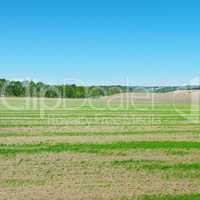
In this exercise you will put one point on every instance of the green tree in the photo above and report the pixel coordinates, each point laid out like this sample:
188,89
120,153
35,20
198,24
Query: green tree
2,85
69,91
51,92
96,92
80,92
15,88
113,90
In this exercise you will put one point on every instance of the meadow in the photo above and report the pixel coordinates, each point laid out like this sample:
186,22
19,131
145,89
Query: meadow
102,148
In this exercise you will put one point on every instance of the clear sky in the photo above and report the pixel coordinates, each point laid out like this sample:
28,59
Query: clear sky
146,42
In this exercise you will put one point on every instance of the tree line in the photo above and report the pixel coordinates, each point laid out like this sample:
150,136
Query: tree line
40,89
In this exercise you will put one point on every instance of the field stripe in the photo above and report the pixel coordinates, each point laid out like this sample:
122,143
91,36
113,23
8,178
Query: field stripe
96,148
155,165
167,197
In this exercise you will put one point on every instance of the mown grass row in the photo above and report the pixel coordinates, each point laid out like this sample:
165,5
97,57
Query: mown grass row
55,132
95,148
148,124
167,197
155,165
29,104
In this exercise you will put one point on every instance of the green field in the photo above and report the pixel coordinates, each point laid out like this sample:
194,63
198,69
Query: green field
98,149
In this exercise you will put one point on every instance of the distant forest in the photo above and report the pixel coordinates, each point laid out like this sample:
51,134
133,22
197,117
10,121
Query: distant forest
39,89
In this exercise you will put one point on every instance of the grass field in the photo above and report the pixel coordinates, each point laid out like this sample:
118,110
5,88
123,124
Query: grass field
105,148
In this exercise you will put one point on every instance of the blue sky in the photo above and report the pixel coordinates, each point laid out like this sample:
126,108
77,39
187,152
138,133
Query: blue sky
142,42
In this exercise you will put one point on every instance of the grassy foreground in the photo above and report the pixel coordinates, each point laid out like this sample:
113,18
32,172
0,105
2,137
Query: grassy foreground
98,149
